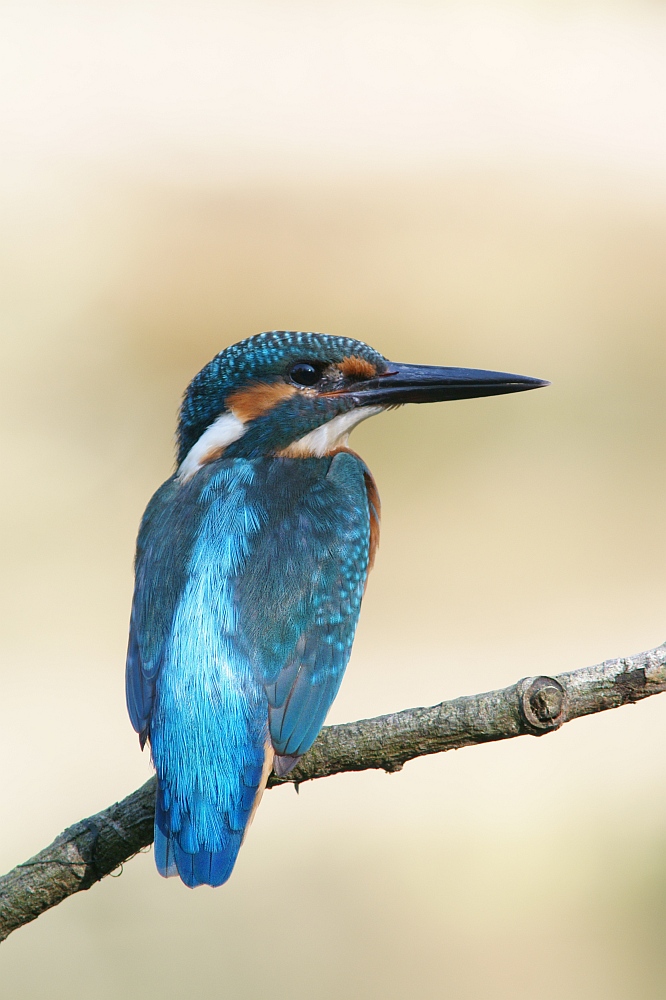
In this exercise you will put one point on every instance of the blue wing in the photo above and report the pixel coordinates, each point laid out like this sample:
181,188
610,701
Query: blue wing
301,594
248,587
166,538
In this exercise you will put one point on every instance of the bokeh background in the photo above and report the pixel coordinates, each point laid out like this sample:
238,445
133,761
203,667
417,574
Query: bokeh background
457,183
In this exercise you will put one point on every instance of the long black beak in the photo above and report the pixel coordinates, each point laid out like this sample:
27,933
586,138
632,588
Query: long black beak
427,384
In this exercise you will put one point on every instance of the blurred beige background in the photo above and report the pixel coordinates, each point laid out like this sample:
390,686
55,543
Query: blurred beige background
457,184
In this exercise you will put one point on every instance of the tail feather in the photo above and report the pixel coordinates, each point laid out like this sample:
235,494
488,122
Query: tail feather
164,857
200,868
180,850
207,867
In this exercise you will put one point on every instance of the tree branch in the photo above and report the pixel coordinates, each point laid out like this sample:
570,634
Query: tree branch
97,846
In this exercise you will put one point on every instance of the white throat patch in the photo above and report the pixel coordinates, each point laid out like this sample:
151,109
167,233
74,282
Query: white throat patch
223,432
334,434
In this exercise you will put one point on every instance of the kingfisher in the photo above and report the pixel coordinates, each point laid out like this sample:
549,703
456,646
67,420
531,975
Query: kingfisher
251,563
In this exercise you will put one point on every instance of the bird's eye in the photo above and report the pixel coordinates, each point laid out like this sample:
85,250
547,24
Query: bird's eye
304,374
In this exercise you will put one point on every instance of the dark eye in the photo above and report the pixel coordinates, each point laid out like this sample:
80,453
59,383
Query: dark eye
304,374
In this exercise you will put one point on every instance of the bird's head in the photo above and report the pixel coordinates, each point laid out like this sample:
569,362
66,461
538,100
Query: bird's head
300,394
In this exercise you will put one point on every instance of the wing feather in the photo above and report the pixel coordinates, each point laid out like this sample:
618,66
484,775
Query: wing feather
166,538
300,597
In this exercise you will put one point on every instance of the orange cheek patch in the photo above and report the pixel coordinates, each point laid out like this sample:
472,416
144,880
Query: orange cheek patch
355,367
256,399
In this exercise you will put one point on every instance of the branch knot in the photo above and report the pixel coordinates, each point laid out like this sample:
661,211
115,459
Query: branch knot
542,703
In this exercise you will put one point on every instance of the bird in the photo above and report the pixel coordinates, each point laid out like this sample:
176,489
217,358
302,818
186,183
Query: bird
251,563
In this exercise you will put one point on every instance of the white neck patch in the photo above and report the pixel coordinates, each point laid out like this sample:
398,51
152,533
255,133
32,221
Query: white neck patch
334,434
223,432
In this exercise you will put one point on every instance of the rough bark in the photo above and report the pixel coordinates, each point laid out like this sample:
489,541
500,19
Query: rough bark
94,847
